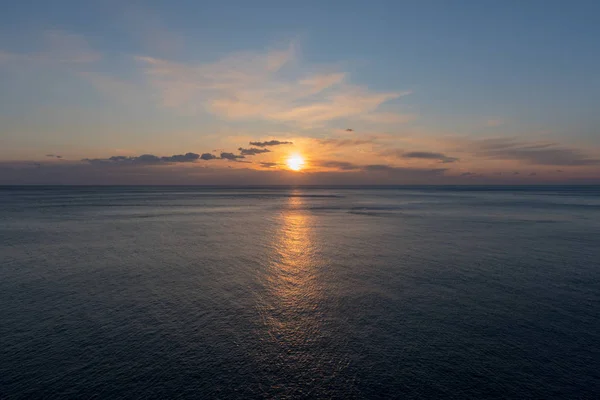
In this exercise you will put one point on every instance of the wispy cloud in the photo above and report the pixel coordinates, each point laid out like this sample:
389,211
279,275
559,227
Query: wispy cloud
340,165
334,142
250,86
426,155
348,166
421,155
536,153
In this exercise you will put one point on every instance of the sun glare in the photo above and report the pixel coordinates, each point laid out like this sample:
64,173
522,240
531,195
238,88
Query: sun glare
295,162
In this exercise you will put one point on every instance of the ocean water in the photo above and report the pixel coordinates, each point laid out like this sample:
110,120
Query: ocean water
285,293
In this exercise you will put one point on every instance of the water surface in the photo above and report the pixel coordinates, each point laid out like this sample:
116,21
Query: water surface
407,292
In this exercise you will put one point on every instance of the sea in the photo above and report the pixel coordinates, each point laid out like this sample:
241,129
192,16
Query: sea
407,292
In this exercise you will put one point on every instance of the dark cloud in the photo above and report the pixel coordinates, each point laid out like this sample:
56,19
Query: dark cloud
144,159
347,166
531,153
148,159
187,157
423,155
101,161
427,155
349,130
468,174
231,156
378,167
269,143
269,164
54,156
390,168
207,156
252,151
533,174
403,171
151,159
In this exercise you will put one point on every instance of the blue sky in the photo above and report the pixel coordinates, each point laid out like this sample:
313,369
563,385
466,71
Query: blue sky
91,80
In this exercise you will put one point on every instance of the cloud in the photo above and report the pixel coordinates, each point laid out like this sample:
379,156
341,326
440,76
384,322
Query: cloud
404,171
251,85
378,168
426,155
345,142
187,157
151,159
269,164
423,155
177,173
231,156
144,159
341,165
54,156
319,83
252,151
536,153
208,156
269,143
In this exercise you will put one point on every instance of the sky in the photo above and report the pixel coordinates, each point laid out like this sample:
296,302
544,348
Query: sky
362,92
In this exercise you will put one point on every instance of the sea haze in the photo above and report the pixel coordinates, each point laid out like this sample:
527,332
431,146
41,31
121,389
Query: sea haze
307,292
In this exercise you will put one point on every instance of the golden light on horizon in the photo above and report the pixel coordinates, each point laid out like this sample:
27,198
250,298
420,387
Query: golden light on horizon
295,162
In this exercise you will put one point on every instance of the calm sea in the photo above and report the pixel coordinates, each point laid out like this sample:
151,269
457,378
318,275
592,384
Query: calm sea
285,293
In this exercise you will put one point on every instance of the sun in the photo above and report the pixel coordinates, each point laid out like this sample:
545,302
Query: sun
295,162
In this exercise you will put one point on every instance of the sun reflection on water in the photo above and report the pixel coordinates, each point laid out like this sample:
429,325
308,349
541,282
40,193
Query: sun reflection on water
293,284
291,308
300,353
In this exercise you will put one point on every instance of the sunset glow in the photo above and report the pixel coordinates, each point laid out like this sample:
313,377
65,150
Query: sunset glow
165,110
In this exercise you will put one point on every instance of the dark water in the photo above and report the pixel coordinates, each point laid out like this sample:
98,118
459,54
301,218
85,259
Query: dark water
291,293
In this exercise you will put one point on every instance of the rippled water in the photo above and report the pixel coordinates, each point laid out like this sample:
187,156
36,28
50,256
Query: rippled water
411,292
